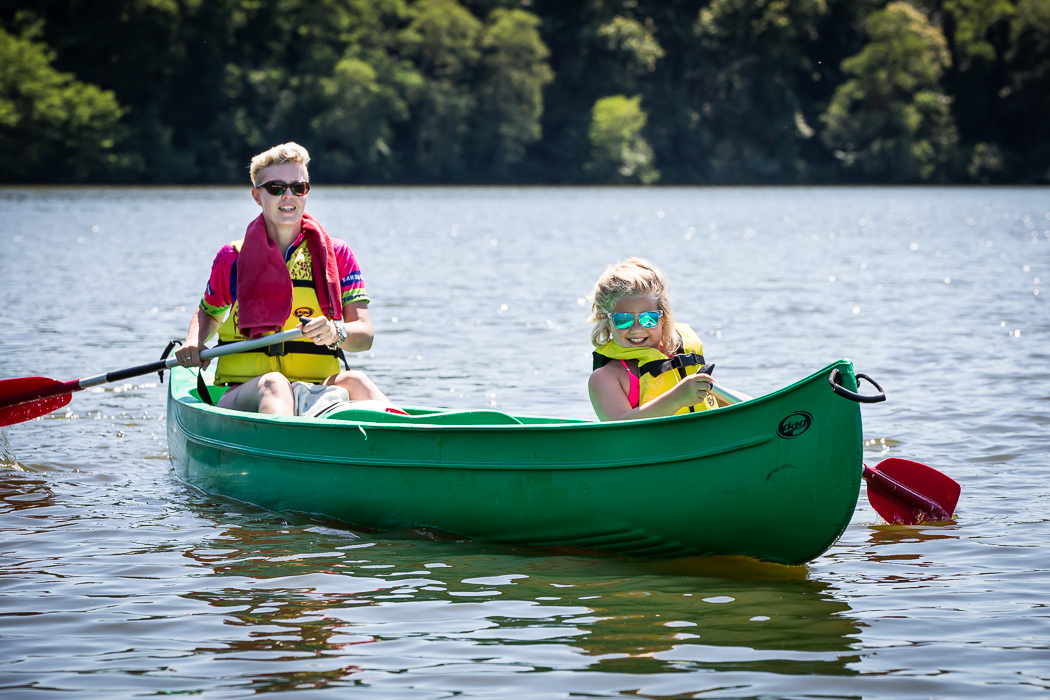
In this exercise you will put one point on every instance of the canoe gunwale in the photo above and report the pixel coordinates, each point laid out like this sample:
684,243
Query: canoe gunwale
371,461
567,425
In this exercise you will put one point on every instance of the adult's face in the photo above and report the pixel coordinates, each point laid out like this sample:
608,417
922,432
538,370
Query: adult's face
284,209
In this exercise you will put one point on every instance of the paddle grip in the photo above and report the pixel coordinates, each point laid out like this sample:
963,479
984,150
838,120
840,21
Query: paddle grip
120,374
726,396
899,490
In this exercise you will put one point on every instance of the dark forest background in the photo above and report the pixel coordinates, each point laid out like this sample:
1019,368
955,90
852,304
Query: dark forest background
528,91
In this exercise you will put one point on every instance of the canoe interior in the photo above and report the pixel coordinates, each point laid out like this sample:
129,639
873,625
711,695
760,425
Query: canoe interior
776,478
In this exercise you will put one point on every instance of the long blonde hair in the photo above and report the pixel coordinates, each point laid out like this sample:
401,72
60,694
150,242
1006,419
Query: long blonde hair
628,278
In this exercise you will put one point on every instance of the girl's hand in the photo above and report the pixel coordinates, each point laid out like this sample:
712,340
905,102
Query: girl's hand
692,390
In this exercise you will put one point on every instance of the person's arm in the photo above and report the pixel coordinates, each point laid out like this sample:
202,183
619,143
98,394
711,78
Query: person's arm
211,310
609,397
202,327
358,324
356,321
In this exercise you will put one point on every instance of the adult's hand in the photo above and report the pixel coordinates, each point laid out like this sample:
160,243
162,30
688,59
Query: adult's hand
189,354
202,325
322,330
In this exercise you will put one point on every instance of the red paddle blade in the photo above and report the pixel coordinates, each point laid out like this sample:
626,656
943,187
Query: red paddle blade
19,413
907,493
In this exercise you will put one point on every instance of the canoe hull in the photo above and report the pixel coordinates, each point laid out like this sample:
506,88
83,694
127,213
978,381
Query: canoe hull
776,478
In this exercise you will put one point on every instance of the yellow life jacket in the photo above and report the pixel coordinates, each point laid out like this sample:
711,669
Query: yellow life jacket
298,360
659,373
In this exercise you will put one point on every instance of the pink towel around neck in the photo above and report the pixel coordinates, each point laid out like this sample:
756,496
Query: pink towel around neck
264,286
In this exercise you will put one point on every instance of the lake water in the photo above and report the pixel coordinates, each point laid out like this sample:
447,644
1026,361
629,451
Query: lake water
118,581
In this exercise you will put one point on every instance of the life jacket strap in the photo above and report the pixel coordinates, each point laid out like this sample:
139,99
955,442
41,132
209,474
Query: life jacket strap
680,361
297,346
282,349
174,343
202,388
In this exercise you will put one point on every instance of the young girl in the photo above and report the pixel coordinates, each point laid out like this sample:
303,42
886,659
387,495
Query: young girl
645,364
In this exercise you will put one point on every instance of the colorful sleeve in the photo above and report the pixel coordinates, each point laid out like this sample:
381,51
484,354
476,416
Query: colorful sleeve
350,280
219,294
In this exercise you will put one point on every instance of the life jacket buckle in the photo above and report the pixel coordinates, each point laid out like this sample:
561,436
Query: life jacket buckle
276,350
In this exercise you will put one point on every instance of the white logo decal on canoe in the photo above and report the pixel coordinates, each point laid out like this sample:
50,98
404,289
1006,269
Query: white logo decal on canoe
794,425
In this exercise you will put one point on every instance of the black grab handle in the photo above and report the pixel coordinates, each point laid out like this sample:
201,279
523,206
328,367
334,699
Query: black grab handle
852,395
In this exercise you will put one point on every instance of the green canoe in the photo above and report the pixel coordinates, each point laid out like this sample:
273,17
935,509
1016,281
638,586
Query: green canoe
776,478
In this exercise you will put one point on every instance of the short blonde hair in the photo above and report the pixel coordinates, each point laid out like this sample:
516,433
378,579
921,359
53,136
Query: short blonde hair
628,278
290,152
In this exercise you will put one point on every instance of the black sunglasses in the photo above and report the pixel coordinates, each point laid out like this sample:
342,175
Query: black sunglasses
278,188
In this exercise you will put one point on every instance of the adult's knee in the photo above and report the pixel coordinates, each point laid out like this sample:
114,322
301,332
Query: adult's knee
275,383
358,385
354,375
348,378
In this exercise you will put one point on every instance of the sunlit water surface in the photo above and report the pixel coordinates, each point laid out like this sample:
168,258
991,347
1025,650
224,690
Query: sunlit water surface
117,580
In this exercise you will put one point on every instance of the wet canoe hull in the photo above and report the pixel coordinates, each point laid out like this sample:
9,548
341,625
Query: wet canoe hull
776,478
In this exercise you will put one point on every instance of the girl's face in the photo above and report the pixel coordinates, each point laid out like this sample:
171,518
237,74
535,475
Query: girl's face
636,335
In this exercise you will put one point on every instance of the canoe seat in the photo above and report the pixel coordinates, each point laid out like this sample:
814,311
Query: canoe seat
447,418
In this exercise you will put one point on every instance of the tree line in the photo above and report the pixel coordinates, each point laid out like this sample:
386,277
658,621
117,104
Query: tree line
528,91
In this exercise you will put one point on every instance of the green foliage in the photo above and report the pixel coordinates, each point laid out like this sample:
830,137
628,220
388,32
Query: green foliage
357,114
510,91
460,91
443,38
635,40
891,119
1030,34
442,41
480,100
755,21
747,113
1028,92
619,152
53,127
973,21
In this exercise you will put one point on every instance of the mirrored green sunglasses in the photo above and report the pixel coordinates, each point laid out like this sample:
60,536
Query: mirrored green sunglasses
646,319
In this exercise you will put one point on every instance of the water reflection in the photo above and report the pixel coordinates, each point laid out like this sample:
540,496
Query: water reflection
23,491
337,606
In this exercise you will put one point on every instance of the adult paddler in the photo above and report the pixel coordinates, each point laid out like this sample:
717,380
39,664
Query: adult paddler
285,267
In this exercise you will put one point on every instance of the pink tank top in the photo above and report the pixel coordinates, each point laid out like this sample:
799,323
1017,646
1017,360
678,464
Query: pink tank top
635,396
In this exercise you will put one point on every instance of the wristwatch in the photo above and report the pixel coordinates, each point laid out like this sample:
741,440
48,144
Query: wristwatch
340,331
